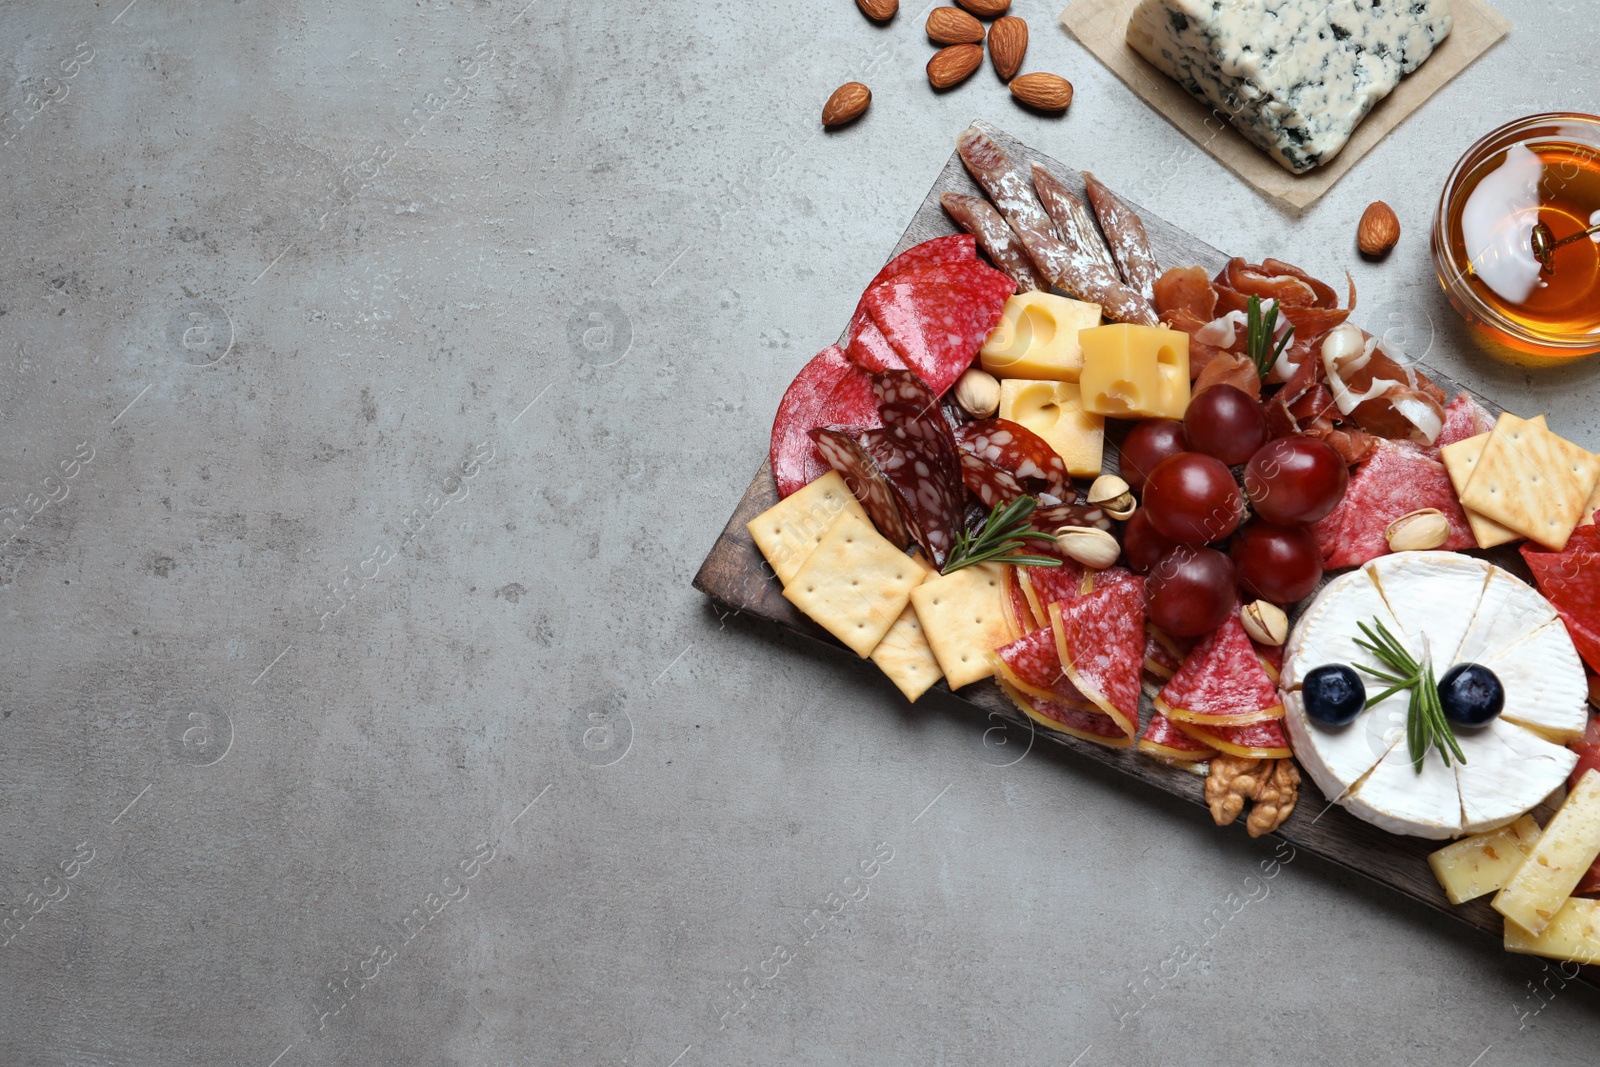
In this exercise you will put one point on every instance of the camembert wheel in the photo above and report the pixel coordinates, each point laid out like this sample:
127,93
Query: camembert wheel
1461,610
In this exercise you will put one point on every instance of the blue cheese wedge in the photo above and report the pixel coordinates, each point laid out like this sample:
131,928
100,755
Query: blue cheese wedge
1296,77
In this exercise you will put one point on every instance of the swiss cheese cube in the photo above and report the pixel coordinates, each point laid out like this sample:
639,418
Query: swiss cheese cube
1473,866
1054,411
787,532
1573,934
963,616
1038,337
1135,372
1565,851
855,583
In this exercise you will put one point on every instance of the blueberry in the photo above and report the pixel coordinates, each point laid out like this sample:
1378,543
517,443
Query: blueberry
1471,694
1334,695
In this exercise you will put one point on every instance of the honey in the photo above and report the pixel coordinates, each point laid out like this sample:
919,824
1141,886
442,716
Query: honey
1543,169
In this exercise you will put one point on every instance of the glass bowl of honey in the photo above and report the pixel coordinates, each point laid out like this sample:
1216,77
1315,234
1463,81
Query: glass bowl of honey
1544,303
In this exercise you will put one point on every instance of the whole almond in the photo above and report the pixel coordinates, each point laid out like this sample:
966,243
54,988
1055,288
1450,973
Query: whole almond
954,64
1008,43
1047,92
986,9
879,10
1379,230
846,104
951,25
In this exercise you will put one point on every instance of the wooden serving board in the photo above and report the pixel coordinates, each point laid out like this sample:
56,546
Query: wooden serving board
736,575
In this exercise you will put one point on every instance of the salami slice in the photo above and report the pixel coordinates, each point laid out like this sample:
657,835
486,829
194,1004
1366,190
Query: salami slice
1124,231
868,348
1464,417
1020,452
957,248
1019,612
847,456
1043,586
1160,660
1032,665
1094,581
1221,683
1256,740
1094,726
917,455
1055,516
1271,657
1100,639
1398,478
938,318
1570,580
975,215
864,342
1163,740
989,483
829,390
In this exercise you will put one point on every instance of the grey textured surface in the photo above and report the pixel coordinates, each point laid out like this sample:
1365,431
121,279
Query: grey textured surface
330,300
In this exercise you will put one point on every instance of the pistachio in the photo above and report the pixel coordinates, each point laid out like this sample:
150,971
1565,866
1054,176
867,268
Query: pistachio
1112,494
1265,622
978,393
1418,531
1094,548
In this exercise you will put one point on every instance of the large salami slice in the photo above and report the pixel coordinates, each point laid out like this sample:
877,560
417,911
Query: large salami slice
829,390
864,342
1221,683
1163,740
1256,740
1020,452
1398,478
955,249
868,348
938,317
917,454
975,215
847,456
1100,639
1570,580
1032,665
1043,586
1094,726
989,483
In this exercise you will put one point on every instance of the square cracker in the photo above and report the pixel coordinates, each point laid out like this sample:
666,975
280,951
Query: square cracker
855,583
963,616
787,532
906,657
1591,507
1460,460
1531,481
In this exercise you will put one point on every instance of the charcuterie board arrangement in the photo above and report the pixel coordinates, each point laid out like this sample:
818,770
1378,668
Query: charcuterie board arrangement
1177,511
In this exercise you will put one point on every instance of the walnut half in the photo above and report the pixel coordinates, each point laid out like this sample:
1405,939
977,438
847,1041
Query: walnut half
1272,784
1274,798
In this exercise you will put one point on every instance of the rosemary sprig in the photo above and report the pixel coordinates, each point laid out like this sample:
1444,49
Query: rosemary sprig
1259,331
1426,725
1006,530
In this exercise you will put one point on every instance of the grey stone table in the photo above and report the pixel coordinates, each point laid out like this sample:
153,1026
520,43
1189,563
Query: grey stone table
373,378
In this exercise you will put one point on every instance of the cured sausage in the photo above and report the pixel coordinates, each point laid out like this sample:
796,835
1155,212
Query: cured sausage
975,215
1074,221
1124,231
1088,270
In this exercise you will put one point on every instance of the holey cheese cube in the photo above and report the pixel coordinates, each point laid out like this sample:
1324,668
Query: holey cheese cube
1544,881
1294,76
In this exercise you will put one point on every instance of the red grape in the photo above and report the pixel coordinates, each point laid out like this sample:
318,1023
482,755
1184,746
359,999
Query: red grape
1226,422
1295,480
1189,592
1193,498
1146,445
1278,563
1142,544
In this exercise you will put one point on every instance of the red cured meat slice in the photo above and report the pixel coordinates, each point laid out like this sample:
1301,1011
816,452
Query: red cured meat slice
1397,479
1159,660
1256,740
1018,451
1100,639
1163,740
1022,619
1032,665
1094,581
868,348
1271,657
1221,683
917,453
989,483
1044,586
1464,417
864,342
847,456
1094,726
937,326
1570,580
955,249
829,390
1055,516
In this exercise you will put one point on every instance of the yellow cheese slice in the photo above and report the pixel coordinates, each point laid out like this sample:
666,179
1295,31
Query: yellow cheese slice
1573,934
1460,460
855,583
787,532
1532,481
1037,337
1473,866
1054,411
963,616
1135,371
906,657
1559,859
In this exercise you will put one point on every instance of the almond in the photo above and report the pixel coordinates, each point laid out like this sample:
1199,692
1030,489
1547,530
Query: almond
1379,230
846,104
986,9
879,10
1008,42
1047,92
951,25
954,64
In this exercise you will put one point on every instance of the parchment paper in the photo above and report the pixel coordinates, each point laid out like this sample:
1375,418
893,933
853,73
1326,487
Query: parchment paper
1102,24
